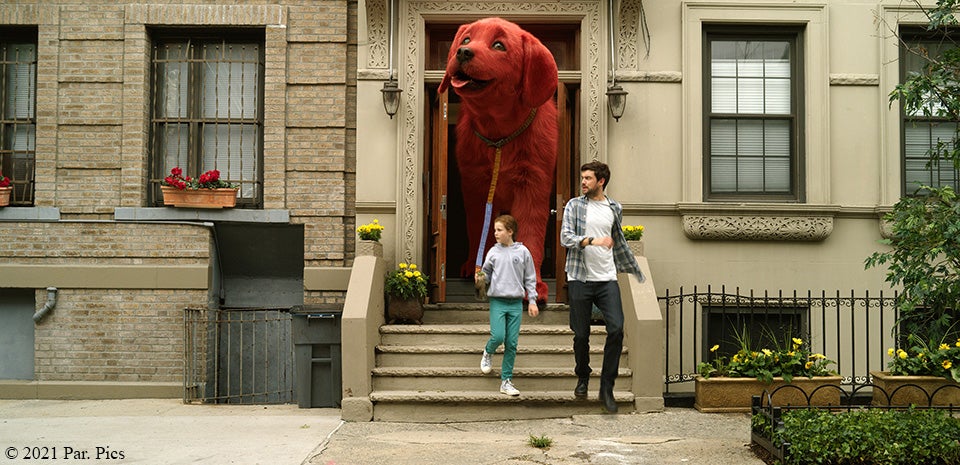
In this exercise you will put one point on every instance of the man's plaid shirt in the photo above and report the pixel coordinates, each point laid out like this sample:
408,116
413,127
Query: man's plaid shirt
572,234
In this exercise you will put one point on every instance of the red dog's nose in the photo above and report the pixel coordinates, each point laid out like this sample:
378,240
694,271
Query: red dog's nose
464,54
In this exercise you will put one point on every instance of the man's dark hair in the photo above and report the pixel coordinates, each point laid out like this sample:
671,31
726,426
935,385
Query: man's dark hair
600,170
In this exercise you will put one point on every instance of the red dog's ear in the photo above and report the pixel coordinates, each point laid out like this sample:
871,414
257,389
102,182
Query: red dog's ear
452,53
539,72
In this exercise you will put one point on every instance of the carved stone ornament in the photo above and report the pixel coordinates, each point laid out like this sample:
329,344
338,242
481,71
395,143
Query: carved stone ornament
757,227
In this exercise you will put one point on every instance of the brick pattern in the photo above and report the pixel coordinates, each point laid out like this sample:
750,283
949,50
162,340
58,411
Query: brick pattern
92,141
110,335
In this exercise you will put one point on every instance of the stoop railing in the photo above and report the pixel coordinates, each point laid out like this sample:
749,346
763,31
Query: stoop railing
852,330
239,356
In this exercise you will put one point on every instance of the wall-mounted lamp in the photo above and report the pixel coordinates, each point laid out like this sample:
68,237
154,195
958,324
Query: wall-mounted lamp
391,97
391,91
616,100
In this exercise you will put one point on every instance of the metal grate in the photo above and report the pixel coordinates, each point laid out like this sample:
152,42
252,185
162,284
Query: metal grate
238,356
852,330
18,123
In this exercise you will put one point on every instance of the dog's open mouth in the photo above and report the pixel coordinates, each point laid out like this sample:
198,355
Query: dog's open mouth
463,80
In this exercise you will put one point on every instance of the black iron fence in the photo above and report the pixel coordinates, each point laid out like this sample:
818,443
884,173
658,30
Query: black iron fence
242,356
852,330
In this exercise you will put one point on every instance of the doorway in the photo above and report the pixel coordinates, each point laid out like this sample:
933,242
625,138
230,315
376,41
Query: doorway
447,243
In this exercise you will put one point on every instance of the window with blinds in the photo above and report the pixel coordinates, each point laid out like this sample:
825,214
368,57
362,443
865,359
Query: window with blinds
18,122
930,130
207,103
751,114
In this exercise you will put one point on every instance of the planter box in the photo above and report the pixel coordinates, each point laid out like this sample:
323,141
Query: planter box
5,193
916,390
199,198
365,247
725,395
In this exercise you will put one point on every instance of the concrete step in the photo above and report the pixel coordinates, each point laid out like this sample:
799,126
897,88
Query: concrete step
478,313
478,334
453,406
465,379
551,356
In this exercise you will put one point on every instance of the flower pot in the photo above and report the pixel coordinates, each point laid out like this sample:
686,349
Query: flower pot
404,310
636,247
916,390
725,395
5,193
199,198
365,247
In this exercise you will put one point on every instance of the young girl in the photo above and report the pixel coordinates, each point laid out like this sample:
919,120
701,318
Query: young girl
509,269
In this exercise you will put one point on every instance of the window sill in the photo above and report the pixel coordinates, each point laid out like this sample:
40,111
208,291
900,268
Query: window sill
757,222
30,214
231,215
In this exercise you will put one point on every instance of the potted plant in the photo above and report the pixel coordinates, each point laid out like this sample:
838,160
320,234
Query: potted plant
923,374
728,385
369,243
406,288
634,237
207,191
5,190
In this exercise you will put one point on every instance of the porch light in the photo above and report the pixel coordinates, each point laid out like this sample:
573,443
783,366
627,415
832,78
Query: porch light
391,97
616,100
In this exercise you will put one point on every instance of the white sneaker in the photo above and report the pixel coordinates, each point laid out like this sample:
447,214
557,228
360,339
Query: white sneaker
486,362
506,387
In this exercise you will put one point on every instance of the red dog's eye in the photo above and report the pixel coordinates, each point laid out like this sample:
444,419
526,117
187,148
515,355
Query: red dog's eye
466,40
499,46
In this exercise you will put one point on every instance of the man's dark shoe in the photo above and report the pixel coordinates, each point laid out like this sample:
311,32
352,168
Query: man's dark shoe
606,398
581,391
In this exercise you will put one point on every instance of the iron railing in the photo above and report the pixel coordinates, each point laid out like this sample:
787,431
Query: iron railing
238,356
852,330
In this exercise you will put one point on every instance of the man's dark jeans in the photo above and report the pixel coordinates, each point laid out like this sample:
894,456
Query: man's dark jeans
582,296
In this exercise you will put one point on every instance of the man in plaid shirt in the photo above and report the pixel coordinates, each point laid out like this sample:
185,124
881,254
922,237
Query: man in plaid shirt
596,252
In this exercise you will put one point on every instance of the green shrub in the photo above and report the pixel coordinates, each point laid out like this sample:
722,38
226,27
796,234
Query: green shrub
876,437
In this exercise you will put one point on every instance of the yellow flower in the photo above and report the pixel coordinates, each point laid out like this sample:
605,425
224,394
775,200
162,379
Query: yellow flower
808,365
890,352
416,273
767,352
413,266
798,341
408,274
947,364
714,348
632,233
920,355
901,354
944,347
402,266
818,356
958,342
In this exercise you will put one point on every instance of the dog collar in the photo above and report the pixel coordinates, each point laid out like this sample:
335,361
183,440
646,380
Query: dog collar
502,142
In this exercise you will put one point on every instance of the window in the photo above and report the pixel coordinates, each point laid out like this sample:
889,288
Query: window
928,131
18,122
766,324
752,109
207,110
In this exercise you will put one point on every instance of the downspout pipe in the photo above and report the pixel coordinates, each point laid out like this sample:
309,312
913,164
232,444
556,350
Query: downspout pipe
51,302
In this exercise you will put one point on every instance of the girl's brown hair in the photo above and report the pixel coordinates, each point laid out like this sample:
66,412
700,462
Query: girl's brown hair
509,223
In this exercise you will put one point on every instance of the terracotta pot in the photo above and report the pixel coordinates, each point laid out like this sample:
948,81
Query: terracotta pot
723,395
366,247
409,310
5,193
199,198
916,390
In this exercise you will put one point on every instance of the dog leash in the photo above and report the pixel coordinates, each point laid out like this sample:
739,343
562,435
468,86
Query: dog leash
488,210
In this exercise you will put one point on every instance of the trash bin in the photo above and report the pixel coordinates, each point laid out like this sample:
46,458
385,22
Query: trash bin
316,354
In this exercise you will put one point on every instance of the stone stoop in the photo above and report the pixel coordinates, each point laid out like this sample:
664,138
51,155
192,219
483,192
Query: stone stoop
431,372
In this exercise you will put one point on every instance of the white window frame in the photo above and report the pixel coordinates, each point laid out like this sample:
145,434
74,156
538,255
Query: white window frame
812,17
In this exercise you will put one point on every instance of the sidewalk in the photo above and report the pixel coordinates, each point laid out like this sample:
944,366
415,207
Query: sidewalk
165,431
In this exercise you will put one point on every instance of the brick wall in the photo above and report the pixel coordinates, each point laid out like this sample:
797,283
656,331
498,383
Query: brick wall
91,154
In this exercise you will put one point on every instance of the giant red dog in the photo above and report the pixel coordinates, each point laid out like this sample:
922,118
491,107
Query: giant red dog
506,79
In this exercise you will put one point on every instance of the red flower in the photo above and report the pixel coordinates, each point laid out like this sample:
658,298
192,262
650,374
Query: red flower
4,181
